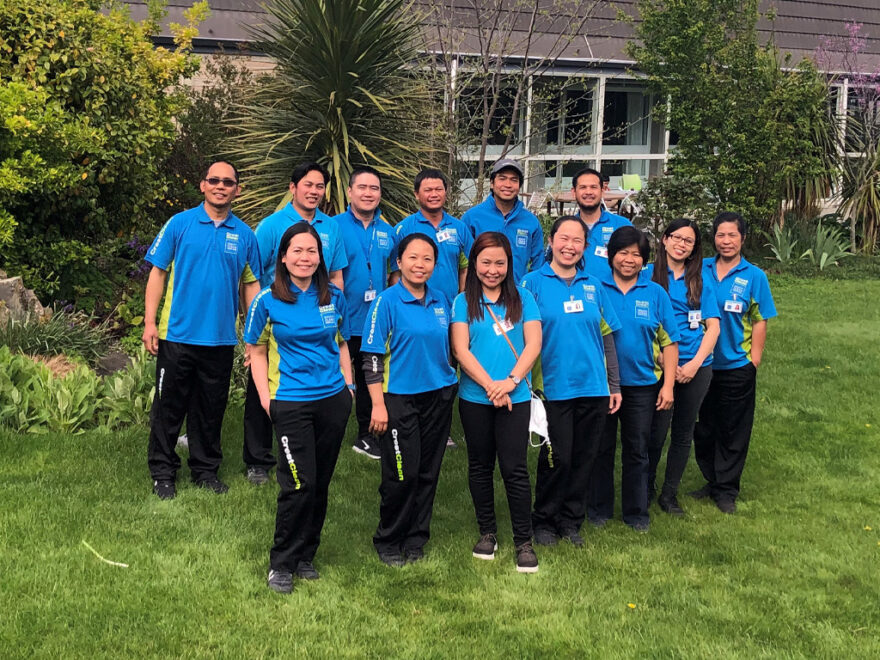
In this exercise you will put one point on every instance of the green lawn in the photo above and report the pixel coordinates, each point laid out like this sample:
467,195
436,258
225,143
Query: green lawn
793,574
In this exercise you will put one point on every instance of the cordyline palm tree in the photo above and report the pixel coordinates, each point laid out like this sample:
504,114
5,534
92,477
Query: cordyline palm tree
344,93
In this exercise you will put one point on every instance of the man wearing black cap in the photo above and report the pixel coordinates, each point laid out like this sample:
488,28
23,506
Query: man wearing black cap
503,211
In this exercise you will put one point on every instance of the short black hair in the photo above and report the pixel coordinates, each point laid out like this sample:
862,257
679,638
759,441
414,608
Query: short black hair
364,169
304,168
730,216
624,237
225,162
582,172
430,173
415,236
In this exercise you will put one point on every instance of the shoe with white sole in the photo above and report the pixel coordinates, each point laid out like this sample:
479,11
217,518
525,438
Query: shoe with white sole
486,547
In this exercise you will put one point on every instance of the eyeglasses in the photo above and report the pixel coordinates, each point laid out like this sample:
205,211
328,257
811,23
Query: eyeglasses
675,238
216,181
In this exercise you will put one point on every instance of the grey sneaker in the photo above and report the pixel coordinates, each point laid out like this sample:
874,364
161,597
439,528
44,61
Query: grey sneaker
307,571
367,446
526,559
212,483
572,535
546,537
257,475
412,555
280,581
486,547
393,559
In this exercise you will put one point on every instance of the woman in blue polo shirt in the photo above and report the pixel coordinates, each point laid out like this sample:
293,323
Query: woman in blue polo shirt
678,268
724,429
576,326
496,337
405,348
296,332
647,351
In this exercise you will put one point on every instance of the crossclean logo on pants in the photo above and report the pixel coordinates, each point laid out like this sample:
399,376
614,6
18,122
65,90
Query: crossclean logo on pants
398,457
290,462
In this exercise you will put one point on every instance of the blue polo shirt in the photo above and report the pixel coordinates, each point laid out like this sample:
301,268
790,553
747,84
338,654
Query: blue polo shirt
521,227
452,250
413,335
302,342
574,318
488,345
689,339
596,253
647,326
370,251
743,298
205,264
272,228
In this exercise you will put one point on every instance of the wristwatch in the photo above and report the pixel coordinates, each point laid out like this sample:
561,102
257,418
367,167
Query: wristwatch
516,381
352,387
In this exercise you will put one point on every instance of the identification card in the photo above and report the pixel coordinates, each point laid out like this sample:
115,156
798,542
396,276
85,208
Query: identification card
601,251
506,325
734,306
694,318
443,235
573,306
369,295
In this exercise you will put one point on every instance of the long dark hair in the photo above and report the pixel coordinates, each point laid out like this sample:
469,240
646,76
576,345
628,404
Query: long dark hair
281,288
548,253
473,288
693,265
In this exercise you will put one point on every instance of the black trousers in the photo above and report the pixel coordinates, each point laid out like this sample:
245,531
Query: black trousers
564,465
412,452
635,415
682,417
257,446
309,437
363,405
491,432
724,429
192,383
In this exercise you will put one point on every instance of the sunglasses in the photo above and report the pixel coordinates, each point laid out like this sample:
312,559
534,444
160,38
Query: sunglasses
216,181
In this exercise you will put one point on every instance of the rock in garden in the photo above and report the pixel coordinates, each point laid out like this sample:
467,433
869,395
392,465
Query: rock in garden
17,301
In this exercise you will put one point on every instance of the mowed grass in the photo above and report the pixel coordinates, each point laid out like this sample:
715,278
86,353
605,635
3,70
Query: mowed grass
793,574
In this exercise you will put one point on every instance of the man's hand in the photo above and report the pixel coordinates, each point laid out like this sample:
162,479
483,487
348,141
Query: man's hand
151,338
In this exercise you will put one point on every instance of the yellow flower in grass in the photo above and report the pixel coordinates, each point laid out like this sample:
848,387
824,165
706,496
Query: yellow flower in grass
867,528
631,606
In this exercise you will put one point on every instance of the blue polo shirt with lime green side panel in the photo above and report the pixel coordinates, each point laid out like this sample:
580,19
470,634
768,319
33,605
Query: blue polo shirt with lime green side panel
596,252
488,345
412,335
272,228
521,227
302,340
453,241
206,262
743,298
370,251
687,316
647,326
574,318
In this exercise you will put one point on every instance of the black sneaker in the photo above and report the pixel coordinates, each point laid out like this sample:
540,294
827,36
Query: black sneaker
572,535
393,559
367,446
212,483
726,505
486,547
526,559
412,555
257,475
546,537
669,504
306,571
701,493
280,581
598,522
641,527
165,490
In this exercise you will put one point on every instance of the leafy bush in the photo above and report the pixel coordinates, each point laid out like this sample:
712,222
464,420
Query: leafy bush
829,246
63,333
665,198
783,243
128,394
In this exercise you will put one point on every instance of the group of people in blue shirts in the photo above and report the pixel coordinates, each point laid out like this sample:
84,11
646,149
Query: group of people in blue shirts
403,321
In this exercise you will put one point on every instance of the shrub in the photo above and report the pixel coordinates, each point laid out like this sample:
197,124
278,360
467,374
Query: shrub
63,333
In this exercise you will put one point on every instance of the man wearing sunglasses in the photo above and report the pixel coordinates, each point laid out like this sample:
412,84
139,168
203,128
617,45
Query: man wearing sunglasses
204,255
308,184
